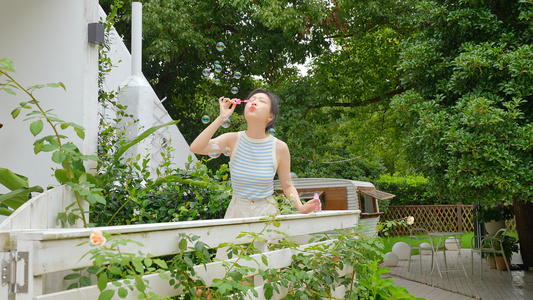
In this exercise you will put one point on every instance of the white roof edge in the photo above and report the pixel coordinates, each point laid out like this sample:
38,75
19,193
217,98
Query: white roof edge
355,183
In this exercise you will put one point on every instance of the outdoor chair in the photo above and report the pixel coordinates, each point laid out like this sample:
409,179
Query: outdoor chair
489,245
418,236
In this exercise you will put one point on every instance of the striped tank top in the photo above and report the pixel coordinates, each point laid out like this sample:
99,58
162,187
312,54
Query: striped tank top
253,165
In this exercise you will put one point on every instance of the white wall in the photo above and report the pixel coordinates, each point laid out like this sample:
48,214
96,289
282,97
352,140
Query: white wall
48,42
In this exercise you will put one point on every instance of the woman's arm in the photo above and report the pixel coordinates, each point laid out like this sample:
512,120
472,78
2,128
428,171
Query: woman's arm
284,169
204,139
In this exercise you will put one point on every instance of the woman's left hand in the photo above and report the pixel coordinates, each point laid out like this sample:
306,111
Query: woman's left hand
310,206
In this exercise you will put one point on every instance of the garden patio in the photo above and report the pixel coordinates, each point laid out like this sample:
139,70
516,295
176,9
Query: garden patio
493,285
403,93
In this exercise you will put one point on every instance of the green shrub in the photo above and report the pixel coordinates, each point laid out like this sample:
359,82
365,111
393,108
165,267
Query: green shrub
356,169
136,199
409,190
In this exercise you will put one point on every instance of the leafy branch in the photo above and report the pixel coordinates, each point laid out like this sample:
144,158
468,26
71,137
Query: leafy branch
67,155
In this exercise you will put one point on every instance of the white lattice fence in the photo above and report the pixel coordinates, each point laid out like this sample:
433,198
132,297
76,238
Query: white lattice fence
436,218
432,217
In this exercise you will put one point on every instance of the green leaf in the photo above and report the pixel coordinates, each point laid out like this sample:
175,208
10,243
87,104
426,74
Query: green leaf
141,137
58,157
73,286
115,270
80,133
163,275
61,175
85,281
72,218
138,266
7,63
122,292
140,285
148,262
16,198
69,147
54,85
5,212
94,198
54,119
183,245
264,260
102,281
36,127
15,113
106,295
161,263
10,91
199,246
50,147
116,283
98,198
90,198
72,276
11,180
38,147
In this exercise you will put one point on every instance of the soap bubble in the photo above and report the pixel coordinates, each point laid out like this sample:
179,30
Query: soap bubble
217,63
234,90
220,46
226,123
218,68
237,75
205,119
206,72
217,81
241,57
227,151
213,150
272,131
291,177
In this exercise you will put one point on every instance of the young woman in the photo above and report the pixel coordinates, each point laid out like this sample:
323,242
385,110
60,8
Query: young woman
255,157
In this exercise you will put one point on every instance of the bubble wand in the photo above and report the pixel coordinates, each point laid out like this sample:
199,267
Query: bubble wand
239,101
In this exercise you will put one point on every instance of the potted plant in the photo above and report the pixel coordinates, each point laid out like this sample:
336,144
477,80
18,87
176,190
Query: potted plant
509,246
493,217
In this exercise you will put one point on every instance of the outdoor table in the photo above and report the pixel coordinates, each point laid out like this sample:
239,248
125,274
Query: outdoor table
442,238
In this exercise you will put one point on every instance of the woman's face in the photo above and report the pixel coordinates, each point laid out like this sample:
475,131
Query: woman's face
259,108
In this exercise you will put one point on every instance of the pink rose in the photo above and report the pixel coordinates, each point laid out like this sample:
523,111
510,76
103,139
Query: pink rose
97,238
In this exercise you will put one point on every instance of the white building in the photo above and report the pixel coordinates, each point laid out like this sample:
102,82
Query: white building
48,42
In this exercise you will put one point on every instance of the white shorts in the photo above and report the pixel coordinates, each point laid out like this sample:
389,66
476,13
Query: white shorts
240,207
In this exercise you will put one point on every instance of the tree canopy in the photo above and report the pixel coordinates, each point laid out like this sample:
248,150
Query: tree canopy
437,87
468,113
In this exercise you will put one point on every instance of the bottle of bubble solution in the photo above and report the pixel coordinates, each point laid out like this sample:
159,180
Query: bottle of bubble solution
317,203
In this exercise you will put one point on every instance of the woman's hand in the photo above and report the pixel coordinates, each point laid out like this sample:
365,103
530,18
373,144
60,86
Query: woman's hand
227,106
309,206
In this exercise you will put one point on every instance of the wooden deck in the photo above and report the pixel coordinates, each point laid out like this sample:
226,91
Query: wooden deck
457,285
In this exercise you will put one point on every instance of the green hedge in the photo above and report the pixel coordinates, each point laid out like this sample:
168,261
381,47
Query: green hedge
357,169
409,190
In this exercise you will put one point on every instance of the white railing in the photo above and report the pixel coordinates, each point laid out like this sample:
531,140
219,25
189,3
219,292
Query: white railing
40,212
57,250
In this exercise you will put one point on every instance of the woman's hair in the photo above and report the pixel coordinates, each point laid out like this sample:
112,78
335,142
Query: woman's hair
274,105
